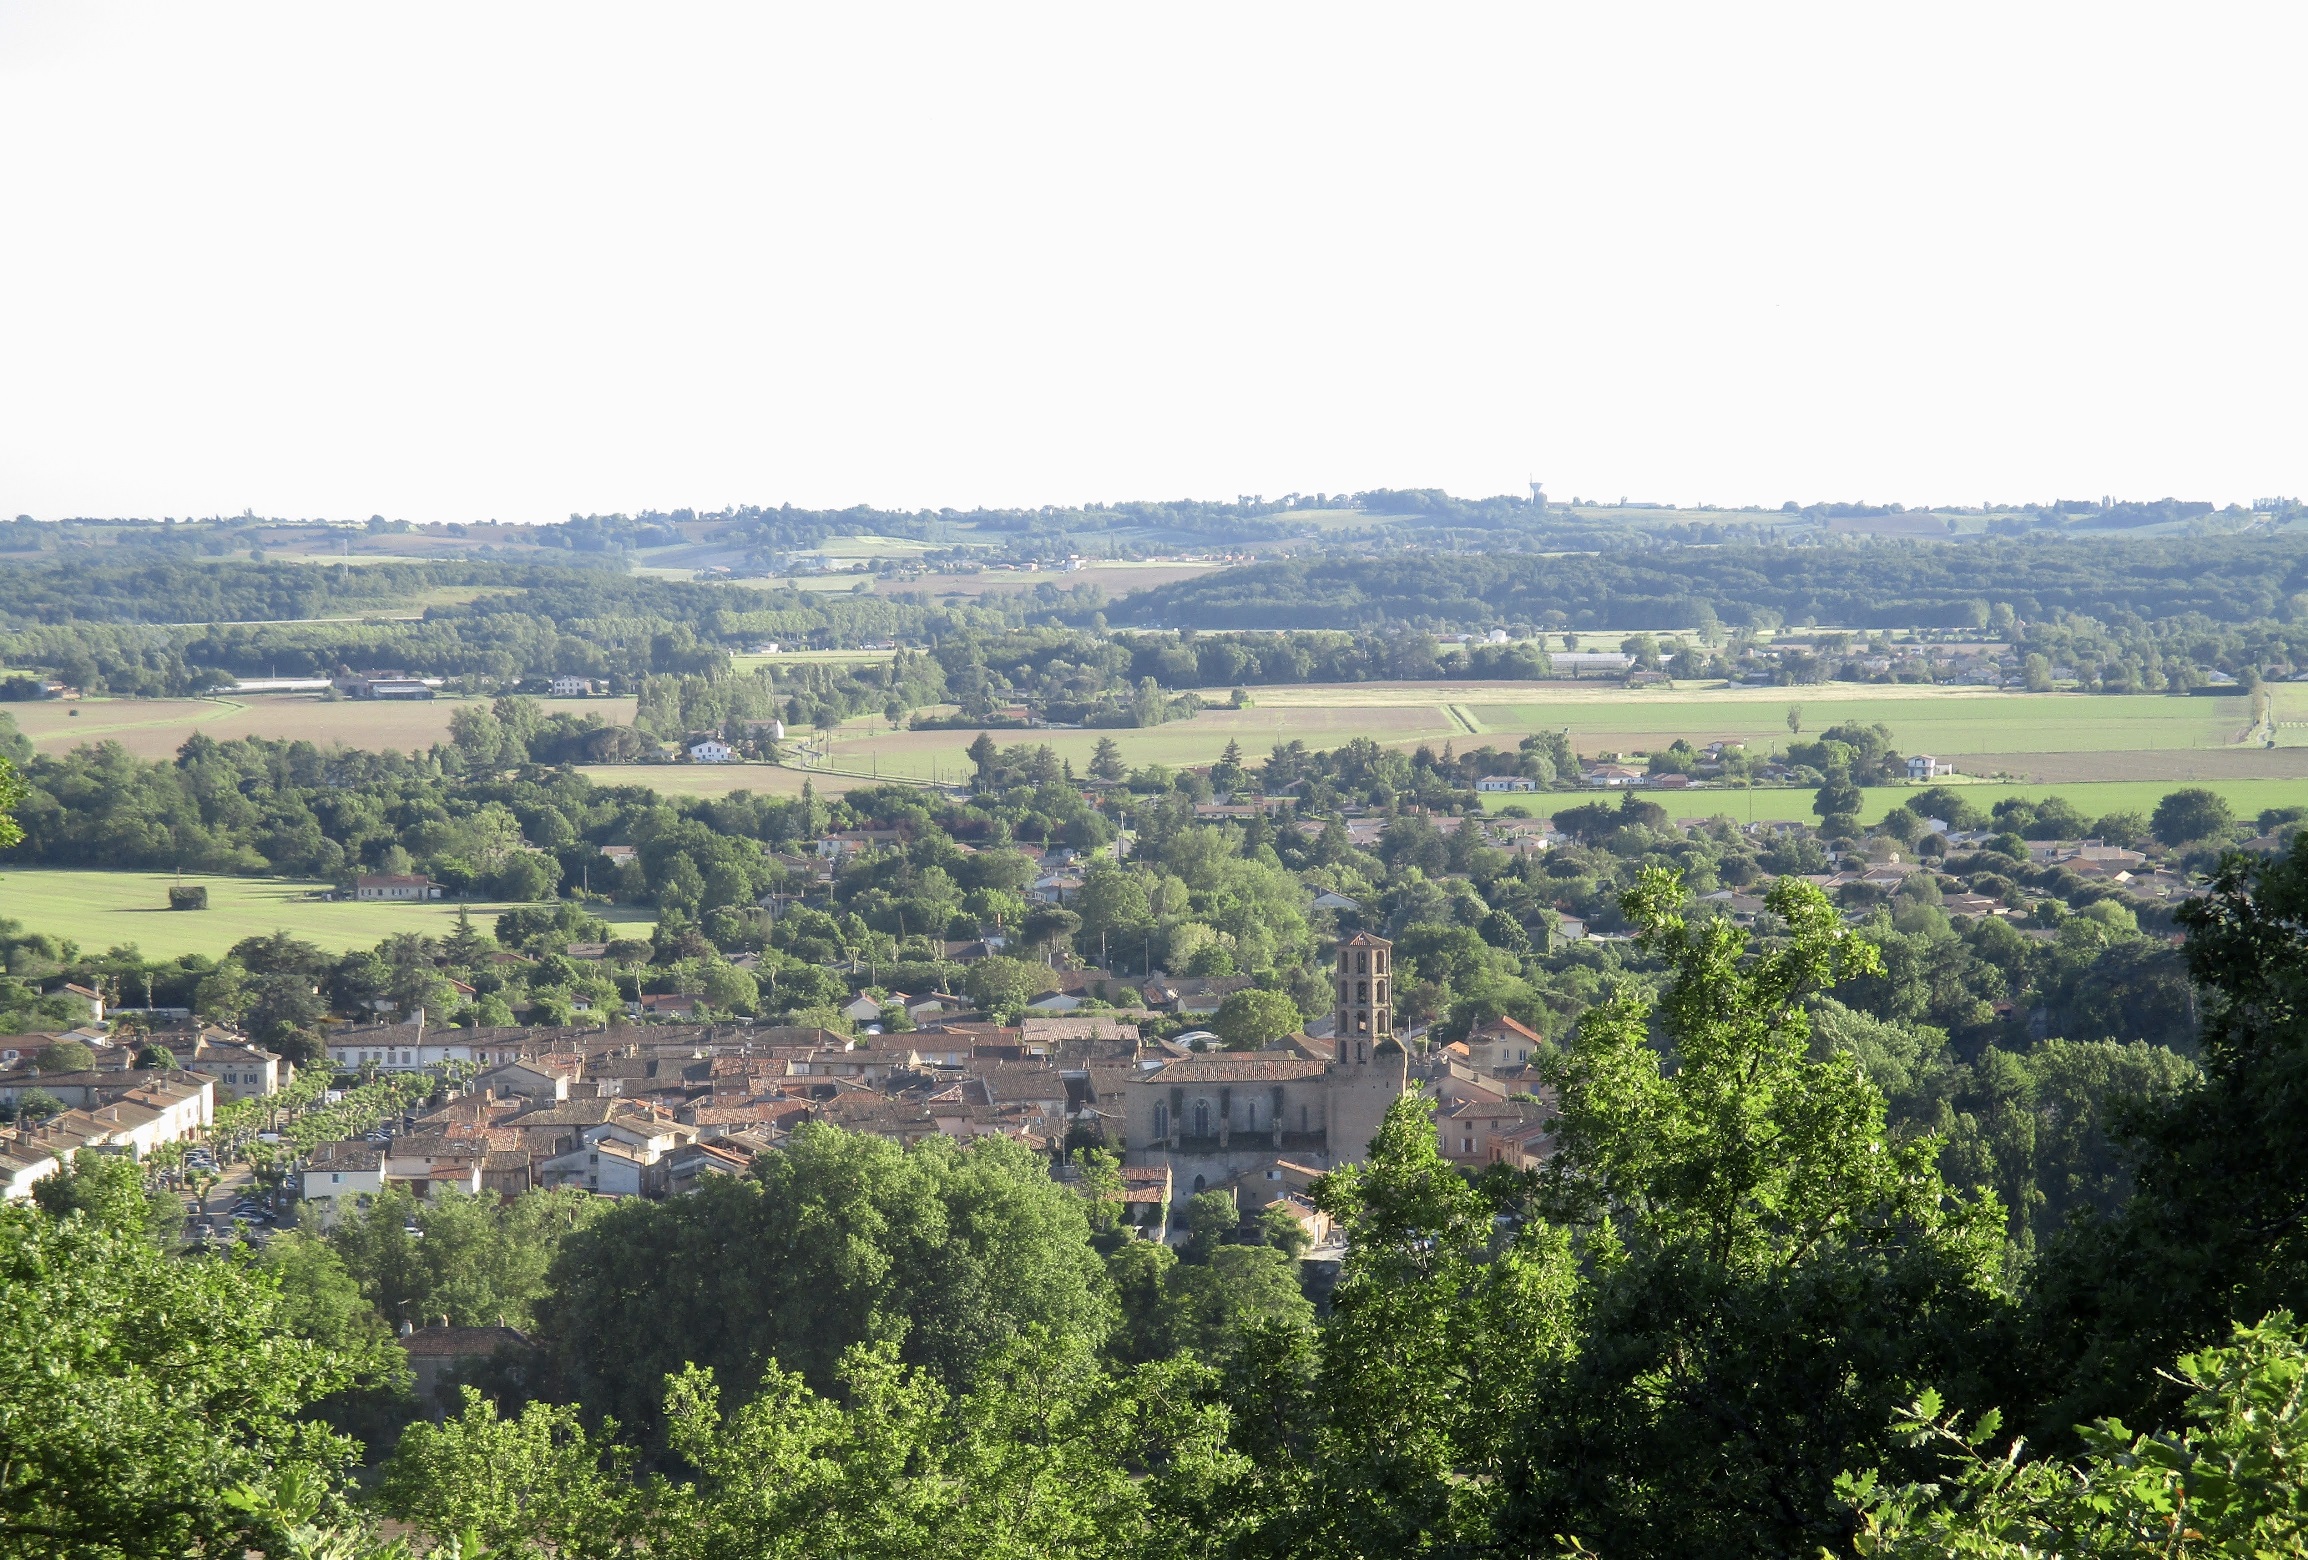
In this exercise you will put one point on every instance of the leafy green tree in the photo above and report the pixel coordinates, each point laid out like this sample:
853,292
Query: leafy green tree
1112,902
1838,798
537,1478
1769,1271
475,1260
2233,1484
1503,932
1232,1292
1005,985
2221,1176
1036,1459
109,1189
1249,1019
842,1239
2192,813
730,988
14,789
1283,1231
1208,1217
1106,762
149,1404
1150,1325
1393,1429
65,1056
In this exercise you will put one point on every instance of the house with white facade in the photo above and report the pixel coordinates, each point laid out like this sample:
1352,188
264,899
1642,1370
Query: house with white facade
23,1164
392,886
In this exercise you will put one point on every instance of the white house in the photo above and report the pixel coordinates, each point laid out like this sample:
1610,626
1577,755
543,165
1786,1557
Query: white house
1924,767
608,1167
135,1121
242,1072
1506,783
622,1157
711,751
863,1009
395,886
410,1047
343,1170
20,1166
572,687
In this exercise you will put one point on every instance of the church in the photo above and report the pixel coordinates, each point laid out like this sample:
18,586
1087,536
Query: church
1217,1116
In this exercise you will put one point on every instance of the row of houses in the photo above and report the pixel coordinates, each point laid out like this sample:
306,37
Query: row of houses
107,1112
648,1113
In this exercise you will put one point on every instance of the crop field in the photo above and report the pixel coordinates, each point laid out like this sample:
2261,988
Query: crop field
1924,720
105,909
747,663
722,779
2034,738
156,728
2095,798
1116,579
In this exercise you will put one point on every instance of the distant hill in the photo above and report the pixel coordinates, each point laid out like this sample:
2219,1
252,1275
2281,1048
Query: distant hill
1873,585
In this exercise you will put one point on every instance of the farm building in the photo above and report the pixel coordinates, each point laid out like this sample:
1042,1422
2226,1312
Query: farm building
395,885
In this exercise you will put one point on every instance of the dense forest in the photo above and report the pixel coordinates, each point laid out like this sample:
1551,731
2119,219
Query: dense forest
1853,585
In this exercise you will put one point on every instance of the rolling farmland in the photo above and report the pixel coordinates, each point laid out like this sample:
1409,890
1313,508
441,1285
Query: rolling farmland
156,728
2057,737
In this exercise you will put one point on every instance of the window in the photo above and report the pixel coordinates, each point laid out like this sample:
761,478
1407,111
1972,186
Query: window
1201,1118
1362,991
1362,964
1161,1121
1250,1117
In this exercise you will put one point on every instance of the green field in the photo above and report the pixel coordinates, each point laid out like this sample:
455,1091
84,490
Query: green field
2043,738
1934,722
101,910
2094,798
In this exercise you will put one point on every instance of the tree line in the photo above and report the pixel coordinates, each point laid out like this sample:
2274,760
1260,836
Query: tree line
2223,579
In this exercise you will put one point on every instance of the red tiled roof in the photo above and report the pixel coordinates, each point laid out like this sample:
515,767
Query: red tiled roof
1237,1069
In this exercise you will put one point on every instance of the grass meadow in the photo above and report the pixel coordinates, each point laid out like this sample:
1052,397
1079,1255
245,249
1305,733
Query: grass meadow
2094,798
105,909
2040,738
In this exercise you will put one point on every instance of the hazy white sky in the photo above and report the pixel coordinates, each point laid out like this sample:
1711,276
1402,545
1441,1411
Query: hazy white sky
462,261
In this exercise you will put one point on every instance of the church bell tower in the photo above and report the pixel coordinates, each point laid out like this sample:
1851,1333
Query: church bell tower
1365,1006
